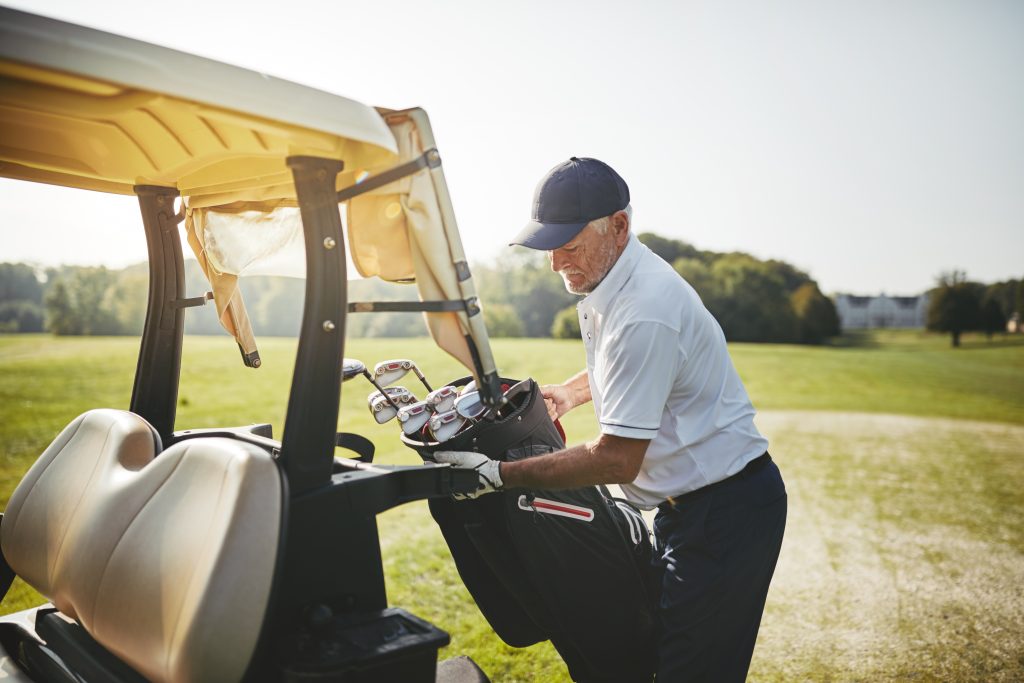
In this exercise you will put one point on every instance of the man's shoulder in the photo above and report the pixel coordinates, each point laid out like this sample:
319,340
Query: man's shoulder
655,291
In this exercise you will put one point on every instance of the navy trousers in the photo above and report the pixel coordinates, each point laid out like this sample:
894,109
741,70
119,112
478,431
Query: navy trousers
715,555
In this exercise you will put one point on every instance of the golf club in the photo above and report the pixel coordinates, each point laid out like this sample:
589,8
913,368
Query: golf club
442,400
388,372
350,367
470,405
444,426
384,406
413,416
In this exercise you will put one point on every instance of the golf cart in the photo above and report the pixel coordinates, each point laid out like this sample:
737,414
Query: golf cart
226,554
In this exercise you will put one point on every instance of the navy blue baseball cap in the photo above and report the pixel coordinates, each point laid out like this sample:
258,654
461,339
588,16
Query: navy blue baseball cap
571,195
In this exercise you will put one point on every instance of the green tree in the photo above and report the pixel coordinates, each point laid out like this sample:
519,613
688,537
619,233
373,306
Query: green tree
126,299
21,299
61,317
502,321
700,277
817,319
669,250
991,317
21,316
566,324
89,289
524,281
79,302
18,282
753,304
953,306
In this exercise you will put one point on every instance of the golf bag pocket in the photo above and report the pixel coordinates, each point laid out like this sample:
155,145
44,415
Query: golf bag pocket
568,566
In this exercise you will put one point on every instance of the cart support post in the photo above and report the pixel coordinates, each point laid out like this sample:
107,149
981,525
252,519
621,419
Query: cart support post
155,392
310,428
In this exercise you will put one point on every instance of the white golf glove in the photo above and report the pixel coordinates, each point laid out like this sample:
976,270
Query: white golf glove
486,469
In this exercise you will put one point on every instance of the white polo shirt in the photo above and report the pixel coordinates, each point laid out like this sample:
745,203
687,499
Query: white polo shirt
659,369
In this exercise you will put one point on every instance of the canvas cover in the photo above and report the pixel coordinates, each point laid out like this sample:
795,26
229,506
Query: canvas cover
402,232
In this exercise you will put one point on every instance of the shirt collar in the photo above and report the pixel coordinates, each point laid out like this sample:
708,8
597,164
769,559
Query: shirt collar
616,277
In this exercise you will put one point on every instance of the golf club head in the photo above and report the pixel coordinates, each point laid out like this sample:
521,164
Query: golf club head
442,400
413,416
388,372
468,387
350,367
444,426
384,410
381,410
470,405
399,395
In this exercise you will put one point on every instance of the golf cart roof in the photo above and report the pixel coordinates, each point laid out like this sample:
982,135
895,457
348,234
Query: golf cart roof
88,109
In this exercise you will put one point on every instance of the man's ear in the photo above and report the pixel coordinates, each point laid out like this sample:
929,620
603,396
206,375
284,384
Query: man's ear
620,227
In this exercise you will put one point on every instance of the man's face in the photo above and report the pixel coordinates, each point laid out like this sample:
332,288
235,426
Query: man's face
585,260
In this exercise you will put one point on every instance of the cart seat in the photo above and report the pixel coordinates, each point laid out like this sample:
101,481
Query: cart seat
165,561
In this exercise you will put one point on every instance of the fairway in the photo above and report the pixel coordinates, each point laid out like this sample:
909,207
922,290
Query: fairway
904,552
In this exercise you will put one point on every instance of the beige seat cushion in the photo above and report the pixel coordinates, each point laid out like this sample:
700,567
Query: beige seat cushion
166,561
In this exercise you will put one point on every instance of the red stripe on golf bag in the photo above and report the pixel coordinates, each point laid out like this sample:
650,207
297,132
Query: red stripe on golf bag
551,507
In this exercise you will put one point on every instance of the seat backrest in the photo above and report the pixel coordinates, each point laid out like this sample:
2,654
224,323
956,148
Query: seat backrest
166,561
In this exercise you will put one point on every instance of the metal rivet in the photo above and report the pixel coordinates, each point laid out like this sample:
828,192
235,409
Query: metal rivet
329,243
328,326
256,363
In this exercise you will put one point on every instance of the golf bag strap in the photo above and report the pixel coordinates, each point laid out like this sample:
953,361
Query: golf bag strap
359,445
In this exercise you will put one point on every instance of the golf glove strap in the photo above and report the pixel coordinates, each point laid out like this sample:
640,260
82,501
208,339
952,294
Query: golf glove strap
487,470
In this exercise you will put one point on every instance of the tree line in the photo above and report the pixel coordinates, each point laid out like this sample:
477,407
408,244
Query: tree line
81,300
957,305
753,300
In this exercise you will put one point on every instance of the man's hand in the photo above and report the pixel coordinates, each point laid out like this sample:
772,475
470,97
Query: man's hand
487,470
558,398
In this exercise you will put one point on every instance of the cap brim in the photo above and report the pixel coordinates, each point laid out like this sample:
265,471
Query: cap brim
546,236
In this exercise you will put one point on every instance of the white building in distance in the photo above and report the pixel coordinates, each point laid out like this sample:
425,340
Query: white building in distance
864,312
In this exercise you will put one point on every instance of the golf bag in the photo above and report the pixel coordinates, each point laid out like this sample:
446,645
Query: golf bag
572,566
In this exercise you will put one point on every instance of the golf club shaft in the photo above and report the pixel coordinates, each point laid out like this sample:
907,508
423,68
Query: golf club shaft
372,381
422,378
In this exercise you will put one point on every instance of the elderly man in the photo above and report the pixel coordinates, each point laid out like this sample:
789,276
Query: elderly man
677,426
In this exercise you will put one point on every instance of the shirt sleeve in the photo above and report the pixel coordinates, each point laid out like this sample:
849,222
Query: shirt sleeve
638,369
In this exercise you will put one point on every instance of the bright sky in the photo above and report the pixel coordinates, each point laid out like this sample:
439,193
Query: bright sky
872,143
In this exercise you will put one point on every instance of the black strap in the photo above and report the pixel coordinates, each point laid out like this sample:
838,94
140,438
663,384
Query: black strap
469,306
359,445
429,159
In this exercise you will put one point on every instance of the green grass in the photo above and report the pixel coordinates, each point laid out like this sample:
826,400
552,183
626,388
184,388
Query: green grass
904,554
905,372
